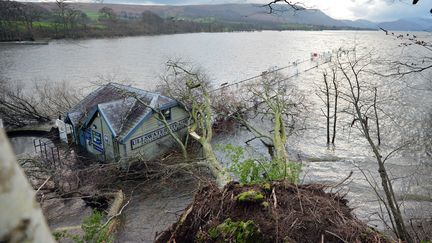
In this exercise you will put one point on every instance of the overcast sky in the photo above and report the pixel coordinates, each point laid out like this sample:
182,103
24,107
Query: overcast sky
374,10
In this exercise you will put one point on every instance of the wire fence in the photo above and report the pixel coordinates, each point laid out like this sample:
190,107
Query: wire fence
297,68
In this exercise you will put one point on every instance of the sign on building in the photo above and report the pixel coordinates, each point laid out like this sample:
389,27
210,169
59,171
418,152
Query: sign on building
157,134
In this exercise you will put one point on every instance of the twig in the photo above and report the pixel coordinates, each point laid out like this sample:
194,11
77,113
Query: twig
299,198
116,215
274,198
43,184
335,235
343,181
67,228
180,223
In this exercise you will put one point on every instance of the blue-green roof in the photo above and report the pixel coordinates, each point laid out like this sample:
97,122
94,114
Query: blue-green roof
123,107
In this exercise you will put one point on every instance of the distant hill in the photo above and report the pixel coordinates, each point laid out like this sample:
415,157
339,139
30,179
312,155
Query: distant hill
255,14
360,23
231,13
412,24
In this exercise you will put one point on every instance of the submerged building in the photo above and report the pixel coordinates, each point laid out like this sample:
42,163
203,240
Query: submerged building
118,121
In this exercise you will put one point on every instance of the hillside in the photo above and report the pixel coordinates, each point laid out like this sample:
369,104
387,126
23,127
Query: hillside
412,24
98,20
254,14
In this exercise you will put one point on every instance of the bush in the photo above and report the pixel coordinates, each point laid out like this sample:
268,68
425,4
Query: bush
231,231
253,171
94,230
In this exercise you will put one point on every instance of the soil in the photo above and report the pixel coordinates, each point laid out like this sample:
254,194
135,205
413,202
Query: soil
287,213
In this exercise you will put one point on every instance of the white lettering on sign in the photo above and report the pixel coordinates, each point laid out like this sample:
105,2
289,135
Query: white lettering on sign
159,133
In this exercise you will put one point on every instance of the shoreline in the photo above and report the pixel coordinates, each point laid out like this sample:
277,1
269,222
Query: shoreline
46,40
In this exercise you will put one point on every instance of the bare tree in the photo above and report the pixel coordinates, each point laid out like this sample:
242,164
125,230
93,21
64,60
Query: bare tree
191,87
277,100
107,14
272,110
362,98
329,95
62,8
68,17
20,107
326,100
296,6
30,13
336,100
413,68
10,17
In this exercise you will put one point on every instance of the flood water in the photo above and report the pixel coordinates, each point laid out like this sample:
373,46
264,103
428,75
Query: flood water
230,57
226,57
23,145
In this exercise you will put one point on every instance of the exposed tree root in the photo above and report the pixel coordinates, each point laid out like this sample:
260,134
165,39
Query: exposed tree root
282,213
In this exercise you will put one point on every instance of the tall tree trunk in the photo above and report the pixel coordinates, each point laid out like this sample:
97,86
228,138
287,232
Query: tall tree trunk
279,139
401,230
376,117
327,103
395,213
218,171
391,203
21,217
336,96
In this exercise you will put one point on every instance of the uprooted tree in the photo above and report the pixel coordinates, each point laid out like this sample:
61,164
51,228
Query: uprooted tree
272,109
191,87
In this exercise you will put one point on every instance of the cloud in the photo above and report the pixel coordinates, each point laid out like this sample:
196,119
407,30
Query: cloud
385,10
374,10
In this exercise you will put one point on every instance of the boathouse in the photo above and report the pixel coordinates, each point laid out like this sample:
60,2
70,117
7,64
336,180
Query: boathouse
119,121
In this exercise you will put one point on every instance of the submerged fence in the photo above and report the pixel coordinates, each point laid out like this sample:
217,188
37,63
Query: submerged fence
47,149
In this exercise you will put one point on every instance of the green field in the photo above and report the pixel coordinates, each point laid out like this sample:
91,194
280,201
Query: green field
94,16
44,24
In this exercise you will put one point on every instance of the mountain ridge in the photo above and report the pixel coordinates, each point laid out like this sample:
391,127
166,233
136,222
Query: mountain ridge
256,14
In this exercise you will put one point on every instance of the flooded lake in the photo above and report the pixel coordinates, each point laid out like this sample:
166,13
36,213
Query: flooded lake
23,145
231,57
227,57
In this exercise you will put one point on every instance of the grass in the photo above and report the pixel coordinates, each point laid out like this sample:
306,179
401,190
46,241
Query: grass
98,26
44,24
94,16
52,25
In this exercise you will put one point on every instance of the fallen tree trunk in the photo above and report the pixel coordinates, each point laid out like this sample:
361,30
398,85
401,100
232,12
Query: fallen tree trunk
115,211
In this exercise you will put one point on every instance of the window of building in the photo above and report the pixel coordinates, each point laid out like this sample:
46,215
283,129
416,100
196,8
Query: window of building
96,138
166,114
